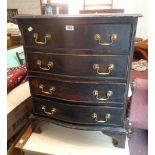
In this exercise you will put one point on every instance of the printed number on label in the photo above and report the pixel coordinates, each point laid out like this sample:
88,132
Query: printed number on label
69,28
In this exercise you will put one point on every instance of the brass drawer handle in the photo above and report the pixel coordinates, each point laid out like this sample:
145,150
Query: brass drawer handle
113,37
97,68
96,93
53,110
51,89
46,37
95,117
49,65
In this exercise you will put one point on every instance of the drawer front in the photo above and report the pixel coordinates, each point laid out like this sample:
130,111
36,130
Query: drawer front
79,92
78,114
78,36
84,66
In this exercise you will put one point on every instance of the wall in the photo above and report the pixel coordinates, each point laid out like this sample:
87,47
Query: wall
129,6
136,6
25,6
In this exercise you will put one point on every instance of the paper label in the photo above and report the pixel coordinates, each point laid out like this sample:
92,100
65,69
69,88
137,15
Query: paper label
69,28
30,29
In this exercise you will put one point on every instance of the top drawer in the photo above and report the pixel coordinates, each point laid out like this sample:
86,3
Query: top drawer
78,36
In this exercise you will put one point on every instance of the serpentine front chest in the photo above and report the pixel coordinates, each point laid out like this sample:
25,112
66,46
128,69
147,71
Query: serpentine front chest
79,69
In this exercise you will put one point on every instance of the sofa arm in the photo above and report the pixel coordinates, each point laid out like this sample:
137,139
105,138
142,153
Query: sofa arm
139,104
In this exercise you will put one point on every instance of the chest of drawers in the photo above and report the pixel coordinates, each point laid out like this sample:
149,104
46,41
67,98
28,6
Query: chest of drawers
79,68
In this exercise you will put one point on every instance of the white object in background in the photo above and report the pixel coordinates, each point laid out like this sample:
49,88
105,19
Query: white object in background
17,96
129,91
13,29
57,10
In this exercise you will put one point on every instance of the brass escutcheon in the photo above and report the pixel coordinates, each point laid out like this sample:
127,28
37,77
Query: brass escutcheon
46,38
51,89
109,68
49,65
95,117
52,111
98,38
108,94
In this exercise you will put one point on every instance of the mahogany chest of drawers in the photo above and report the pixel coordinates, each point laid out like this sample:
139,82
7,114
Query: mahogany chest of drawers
79,68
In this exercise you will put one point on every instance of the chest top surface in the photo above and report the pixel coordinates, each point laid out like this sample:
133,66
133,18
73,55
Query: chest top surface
102,18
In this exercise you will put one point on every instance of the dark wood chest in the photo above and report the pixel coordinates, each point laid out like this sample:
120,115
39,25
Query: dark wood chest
79,68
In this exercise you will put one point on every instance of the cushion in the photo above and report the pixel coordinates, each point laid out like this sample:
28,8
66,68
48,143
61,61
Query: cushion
16,76
23,91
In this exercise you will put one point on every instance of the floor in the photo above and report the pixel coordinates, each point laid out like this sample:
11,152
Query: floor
138,142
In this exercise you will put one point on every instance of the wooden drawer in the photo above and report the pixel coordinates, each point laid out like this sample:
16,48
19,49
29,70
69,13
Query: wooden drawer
84,66
78,36
93,92
78,114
